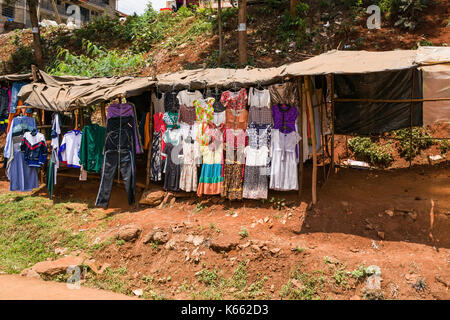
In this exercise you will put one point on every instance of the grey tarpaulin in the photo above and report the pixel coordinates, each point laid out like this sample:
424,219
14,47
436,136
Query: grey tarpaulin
371,118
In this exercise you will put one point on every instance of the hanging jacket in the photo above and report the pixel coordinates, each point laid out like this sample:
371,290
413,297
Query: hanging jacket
34,148
91,149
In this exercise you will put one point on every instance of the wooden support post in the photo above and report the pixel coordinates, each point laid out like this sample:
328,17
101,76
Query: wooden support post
321,113
313,138
219,22
103,112
300,129
332,125
292,5
242,32
411,118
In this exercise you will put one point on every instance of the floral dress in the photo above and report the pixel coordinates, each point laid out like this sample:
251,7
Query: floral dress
211,179
234,100
204,109
157,146
234,160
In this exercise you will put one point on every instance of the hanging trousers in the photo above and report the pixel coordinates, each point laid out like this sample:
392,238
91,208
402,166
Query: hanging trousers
119,154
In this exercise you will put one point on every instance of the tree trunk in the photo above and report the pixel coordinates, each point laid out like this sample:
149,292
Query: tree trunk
242,32
219,21
36,34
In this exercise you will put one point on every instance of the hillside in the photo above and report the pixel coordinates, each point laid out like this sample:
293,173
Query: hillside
189,39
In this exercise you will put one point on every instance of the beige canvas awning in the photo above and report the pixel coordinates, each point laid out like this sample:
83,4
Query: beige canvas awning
68,93
16,77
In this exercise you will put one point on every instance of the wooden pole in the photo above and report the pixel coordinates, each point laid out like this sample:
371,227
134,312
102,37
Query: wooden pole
321,112
313,138
411,118
332,125
292,5
103,112
38,55
219,21
300,129
242,32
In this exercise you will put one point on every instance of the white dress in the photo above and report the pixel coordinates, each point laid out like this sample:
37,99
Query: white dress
191,154
283,172
187,98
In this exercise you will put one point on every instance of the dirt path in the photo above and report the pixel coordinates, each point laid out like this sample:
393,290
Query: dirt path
15,287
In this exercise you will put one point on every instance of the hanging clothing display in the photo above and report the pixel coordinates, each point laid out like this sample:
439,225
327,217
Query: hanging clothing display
234,100
91,149
284,117
257,161
54,158
374,117
259,98
284,93
204,110
126,110
211,179
21,176
235,142
187,98
171,119
70,149
173,152
158,103
34,148
284,173
191,157
217,95
119,154
158,145
171,102
236,119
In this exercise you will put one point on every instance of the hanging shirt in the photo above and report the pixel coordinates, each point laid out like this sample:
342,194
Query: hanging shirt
70,148
91,149
34,148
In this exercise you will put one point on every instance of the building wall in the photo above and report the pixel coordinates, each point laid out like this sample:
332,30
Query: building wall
94,8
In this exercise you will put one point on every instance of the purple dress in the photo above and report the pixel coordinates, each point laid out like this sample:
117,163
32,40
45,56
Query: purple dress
284,117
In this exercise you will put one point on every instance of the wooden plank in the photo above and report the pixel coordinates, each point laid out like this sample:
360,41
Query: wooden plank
313,138
300,129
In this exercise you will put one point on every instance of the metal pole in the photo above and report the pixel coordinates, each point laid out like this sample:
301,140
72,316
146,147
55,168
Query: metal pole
411,118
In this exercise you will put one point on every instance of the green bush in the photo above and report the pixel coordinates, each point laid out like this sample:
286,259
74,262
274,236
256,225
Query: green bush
407,12
371,152
96,62
421,140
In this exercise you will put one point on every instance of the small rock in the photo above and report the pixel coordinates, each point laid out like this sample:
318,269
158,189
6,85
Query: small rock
152,197
266,219
390,213
255,248
275,251
177,228
197,240
157,235
170,245
272,288
53,268
344,203
129,232
380,235
225,242
375,245
60,251
138,292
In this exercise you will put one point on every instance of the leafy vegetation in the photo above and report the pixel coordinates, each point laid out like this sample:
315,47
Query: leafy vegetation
365,149
421,140
31,228
302,285
97,62
444,146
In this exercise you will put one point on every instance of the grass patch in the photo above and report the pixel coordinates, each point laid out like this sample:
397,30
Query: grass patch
303,285
31,228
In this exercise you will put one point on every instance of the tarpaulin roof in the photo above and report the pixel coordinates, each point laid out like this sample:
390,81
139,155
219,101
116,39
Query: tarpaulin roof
68,93
16,77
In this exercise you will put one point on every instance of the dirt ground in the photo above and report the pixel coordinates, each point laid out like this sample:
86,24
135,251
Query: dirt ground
396,219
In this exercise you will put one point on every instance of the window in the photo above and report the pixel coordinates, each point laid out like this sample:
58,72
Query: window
8,11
